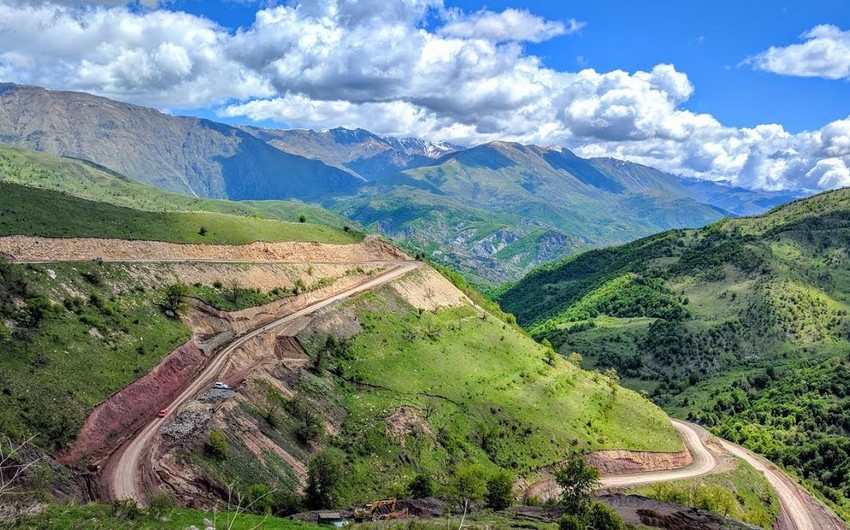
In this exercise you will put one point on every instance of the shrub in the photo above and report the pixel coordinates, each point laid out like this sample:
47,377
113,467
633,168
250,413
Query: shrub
578,482
420,487
217,445
161,503
602,517
570,522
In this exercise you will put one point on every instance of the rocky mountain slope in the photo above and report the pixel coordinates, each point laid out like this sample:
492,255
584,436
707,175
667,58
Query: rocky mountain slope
187,155
742,325
363,153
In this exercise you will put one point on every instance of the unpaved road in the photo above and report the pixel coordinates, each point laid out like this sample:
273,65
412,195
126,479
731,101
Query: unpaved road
703,463
123,472
799,510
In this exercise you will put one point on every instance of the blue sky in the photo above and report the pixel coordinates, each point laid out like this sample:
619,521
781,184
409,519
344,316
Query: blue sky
752,92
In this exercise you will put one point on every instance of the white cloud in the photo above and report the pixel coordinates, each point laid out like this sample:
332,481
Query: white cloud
509,25
826,53
377,65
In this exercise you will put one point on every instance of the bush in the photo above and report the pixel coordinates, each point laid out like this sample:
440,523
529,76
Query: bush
420,487
126,510
570,522
217,445
161,503
260,499
499,491
468,485
602,517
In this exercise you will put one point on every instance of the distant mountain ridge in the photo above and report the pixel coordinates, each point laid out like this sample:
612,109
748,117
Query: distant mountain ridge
186,155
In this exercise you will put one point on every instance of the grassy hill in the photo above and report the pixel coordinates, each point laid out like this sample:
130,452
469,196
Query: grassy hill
38,212
742,326
87,180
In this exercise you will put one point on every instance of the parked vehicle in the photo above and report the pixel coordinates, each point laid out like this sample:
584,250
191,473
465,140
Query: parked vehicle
163,413
220,385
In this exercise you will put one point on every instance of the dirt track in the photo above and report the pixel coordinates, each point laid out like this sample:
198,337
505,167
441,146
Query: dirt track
42,249
123,474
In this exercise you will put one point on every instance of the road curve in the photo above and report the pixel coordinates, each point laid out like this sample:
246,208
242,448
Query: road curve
796,514
703,463
122,475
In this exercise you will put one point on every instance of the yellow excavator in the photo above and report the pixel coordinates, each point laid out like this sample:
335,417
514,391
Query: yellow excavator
381,510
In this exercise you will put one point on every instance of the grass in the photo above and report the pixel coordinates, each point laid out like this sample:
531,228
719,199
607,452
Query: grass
502,406
38,212
101,517
743,494
93,182
97,325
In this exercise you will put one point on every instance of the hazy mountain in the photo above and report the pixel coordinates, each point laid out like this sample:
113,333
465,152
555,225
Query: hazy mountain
741,325
187,155
359,151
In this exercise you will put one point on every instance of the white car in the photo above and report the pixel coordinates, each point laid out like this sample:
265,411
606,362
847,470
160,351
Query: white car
220,385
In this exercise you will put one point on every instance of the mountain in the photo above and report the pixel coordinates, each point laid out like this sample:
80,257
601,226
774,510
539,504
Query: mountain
359,151
186,155
497,210
742,326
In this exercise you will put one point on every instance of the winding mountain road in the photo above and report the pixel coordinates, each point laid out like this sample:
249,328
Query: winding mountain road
123,472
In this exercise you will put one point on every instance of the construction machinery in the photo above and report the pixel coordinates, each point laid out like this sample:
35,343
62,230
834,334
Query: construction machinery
380,510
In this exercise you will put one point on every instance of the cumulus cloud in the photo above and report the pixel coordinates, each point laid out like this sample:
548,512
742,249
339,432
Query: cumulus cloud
509,25
826,53
408,67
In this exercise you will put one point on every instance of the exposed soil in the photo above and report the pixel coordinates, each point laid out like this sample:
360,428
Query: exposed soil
25,248
427,289
407,421
617,462
115,420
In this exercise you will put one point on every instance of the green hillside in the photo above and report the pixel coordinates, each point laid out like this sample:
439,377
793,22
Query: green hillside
87,180
495,211
39,212
396,412
742,326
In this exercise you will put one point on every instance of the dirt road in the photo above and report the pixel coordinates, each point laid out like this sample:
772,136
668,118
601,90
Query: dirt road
799,510
123,471
703,463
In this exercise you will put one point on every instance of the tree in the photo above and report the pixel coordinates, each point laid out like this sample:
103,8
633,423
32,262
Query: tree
499,491
421,486
233,291
602,517
578,482
202,231
323,476
575,358
217,445
302,219
174,302
308,426
467,486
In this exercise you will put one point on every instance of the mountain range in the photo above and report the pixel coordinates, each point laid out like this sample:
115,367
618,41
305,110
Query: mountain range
492,211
